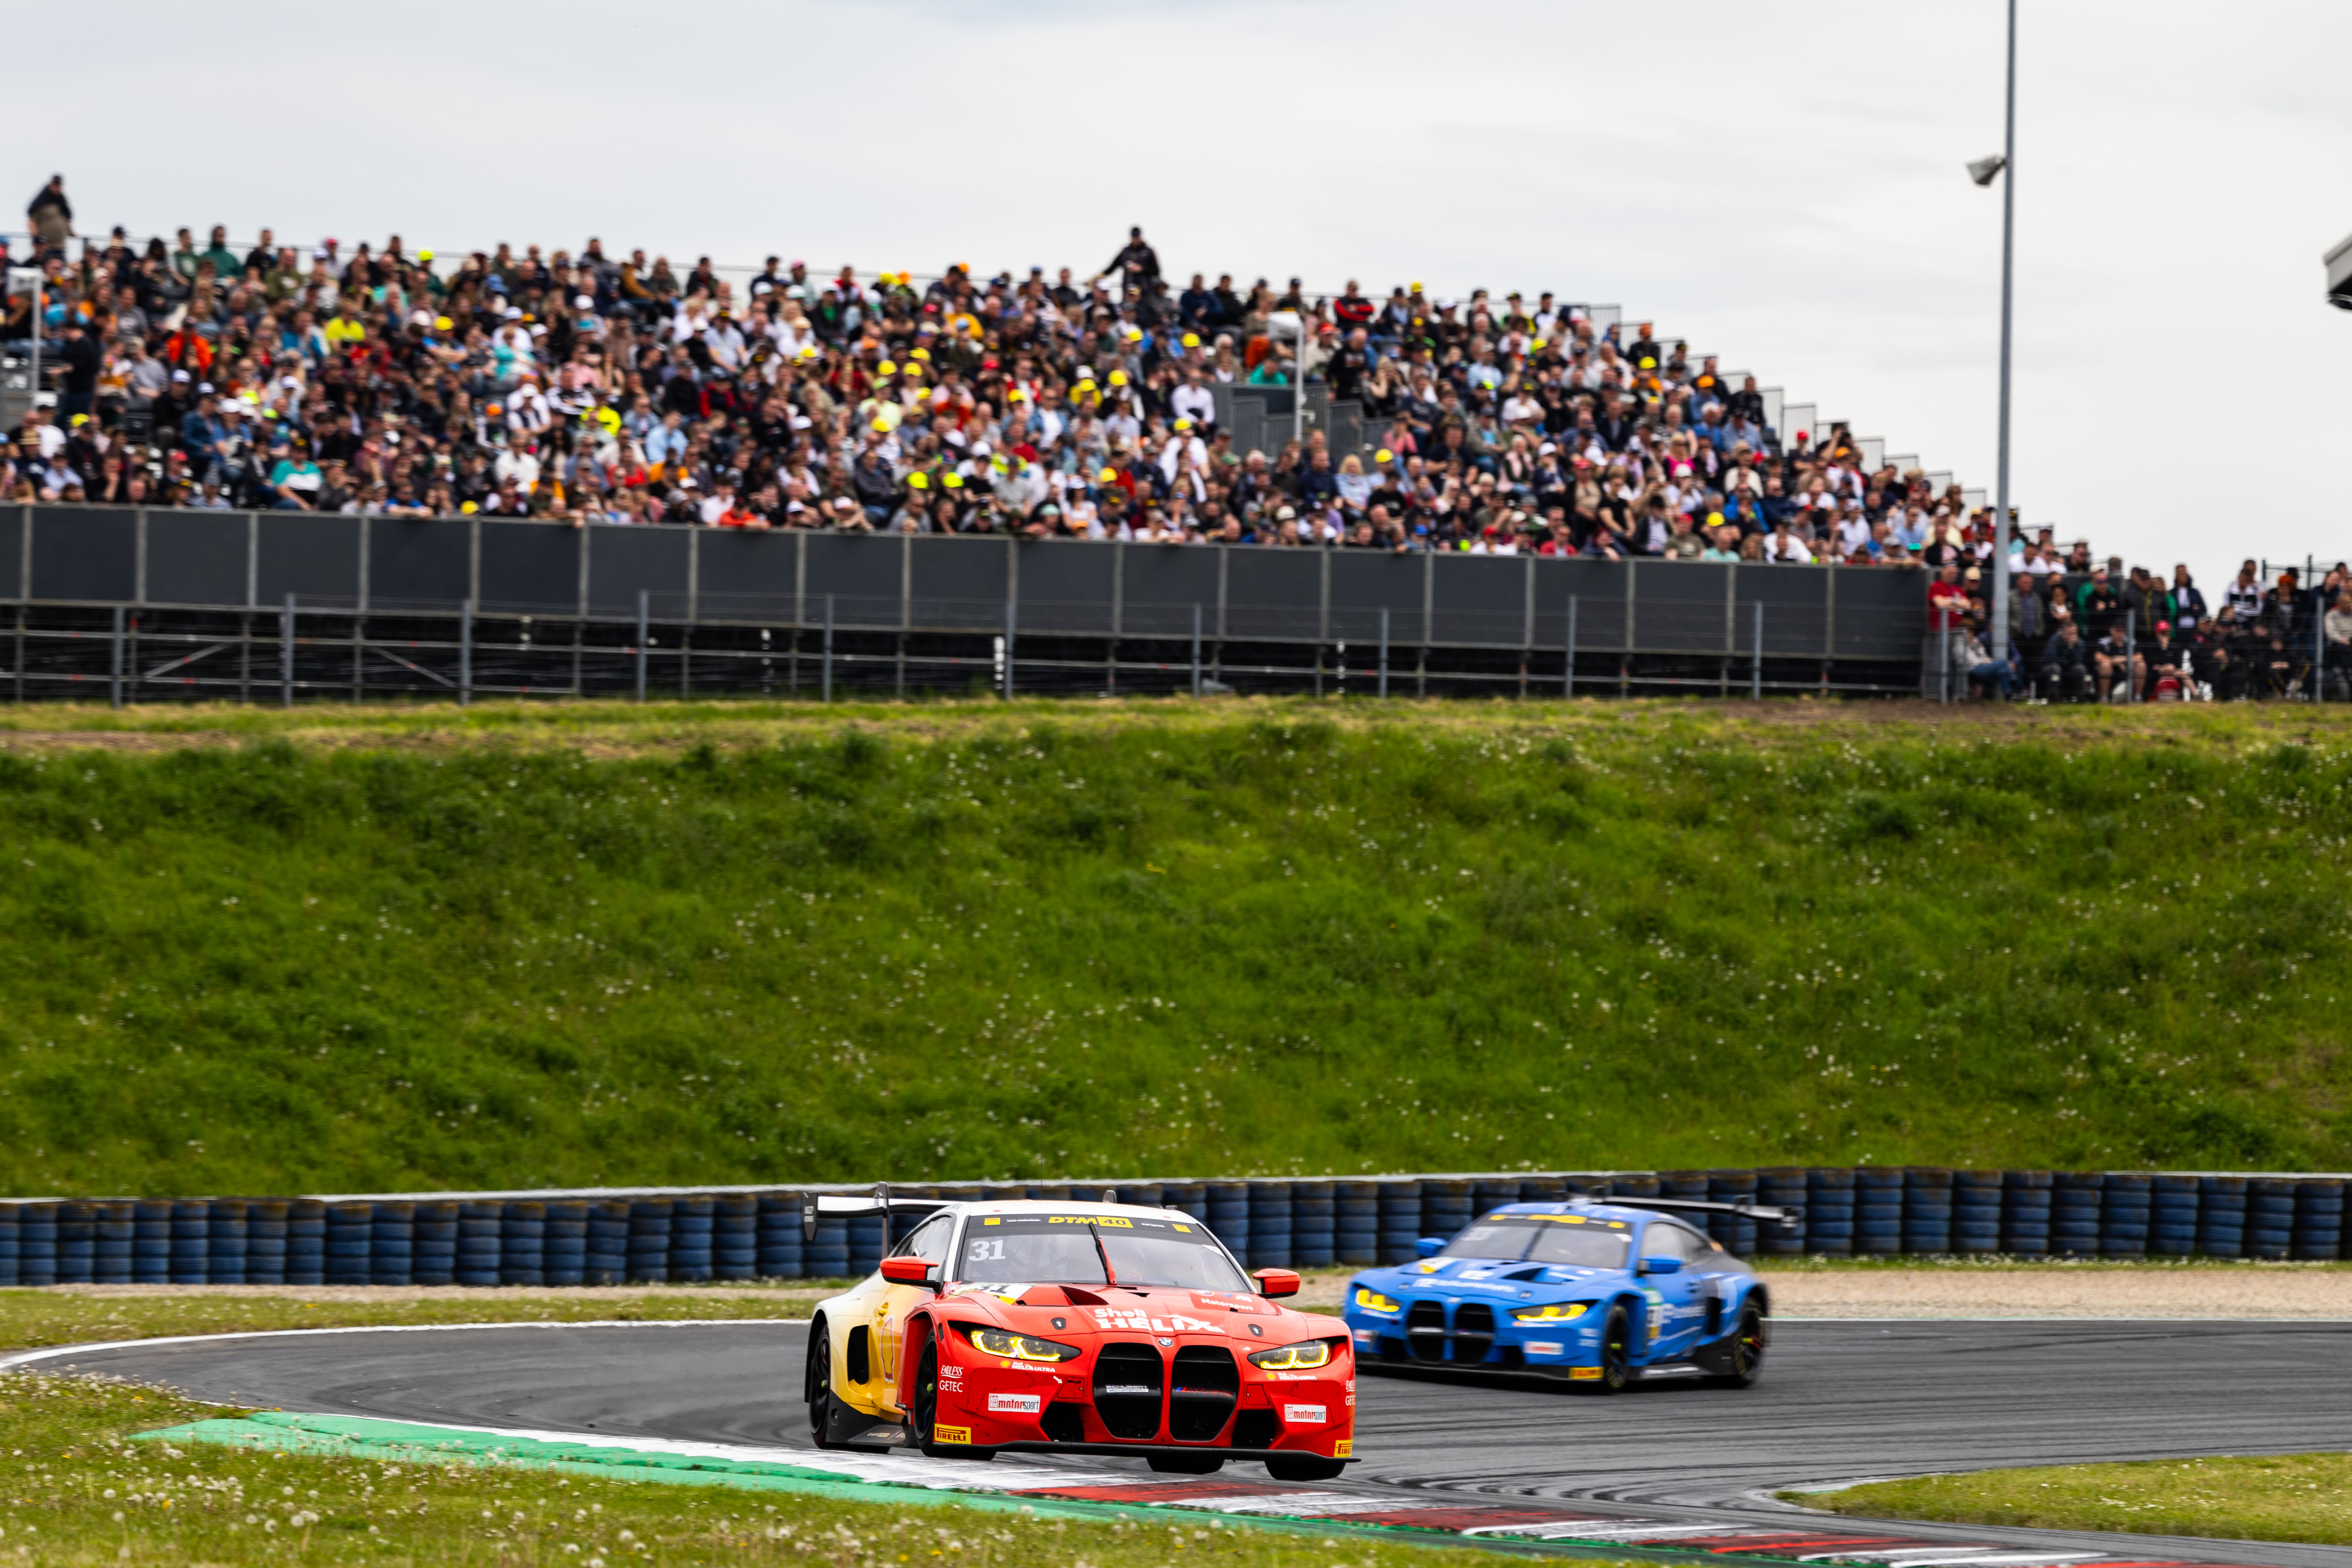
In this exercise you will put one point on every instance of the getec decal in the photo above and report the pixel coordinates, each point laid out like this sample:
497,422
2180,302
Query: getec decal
1018,1404
1303,1416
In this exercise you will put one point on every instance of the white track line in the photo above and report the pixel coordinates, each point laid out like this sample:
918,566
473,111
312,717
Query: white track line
9,1362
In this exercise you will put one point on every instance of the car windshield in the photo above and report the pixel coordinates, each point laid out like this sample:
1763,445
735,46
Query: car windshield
1581,1247
1497,1235
1059,1250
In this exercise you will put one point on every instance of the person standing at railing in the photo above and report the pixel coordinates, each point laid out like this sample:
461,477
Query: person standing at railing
51,218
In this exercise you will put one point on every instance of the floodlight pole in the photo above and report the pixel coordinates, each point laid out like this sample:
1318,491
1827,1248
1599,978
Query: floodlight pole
2007,233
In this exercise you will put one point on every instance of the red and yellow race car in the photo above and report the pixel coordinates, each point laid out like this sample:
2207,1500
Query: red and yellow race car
1087,1328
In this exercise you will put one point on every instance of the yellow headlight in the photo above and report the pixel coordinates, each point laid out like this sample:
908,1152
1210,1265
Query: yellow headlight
1020,1347
1558,1313
1373,1301
1293,1358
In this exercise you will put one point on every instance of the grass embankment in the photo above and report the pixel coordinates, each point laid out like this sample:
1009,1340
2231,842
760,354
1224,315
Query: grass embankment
352,952
2295,1496
77,1492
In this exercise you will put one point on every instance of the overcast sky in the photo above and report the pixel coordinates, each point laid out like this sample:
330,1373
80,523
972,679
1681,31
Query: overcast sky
1781,184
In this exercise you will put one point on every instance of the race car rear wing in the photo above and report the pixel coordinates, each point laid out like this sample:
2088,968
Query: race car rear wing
879,1201
1785,1218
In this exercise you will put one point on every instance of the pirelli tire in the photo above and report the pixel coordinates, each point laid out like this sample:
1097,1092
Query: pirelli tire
923,1413
818,1384
1736,1360
1616,1353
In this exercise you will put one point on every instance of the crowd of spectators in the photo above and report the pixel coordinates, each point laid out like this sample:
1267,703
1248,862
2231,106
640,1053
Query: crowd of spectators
598,387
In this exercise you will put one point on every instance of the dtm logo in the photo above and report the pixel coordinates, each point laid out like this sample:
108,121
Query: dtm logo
1144,1322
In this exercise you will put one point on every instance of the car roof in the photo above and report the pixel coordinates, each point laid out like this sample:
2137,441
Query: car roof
1010,1206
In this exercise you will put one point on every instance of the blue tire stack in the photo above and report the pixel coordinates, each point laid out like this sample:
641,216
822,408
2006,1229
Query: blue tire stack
2076,1199
305,1242
2270,1218
1313,1224
1927,1210
392,1243
2319,1219
351,1238
265,1241
606,1258
1783,1186
1269,1225
735,1237
1355,1226
1191,1197
2172,1217
36,1244
118,1228
828,1255
1736,1232
866,1234
477,1243
1486,1197
2222,1216
1445,1208
1877,1211
1829,1212
649,1223
523,1242
77,1243
8,1244
1401,1224
150,1242
2025,1213
1144,1194
563,1251
2123,1216
432,1244
1976,1211
1635,1187
778,1237
902,1221
693,1238
1229,1216
226,1242
192,1242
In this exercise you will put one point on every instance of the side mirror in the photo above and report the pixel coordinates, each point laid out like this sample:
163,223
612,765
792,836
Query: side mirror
910,1271
1430,1246
1661,1266
1276,1281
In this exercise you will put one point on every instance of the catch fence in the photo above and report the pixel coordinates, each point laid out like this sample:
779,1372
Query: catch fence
607,1237
147,605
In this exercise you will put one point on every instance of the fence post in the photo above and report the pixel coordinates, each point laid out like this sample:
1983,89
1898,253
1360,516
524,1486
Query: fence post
114,663
1755,662
825,686
286,655
2318,648
1944,661
1196,651
465,654
1384,652
644,618
1008,650
1568,680
2131,641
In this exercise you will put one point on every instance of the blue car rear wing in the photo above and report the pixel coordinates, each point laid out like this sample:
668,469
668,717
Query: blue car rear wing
1785,1218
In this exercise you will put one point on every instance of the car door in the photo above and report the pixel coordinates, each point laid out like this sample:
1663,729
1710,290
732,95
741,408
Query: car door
929,1242
1673,1299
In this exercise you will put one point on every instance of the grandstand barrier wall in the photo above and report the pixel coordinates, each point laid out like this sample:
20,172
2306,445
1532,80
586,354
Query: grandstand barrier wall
608,1237
145,605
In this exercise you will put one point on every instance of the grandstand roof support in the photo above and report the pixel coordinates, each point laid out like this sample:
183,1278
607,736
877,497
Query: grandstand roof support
1998,641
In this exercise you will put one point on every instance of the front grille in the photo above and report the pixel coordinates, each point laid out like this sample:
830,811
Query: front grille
1474,1330
1206,1387
1424,1329
1254,1429
1128,1384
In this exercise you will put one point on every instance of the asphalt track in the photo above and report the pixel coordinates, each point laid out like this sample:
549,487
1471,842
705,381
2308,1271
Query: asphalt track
1840,1401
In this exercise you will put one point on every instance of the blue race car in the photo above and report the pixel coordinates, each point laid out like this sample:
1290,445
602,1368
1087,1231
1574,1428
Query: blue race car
1592,1293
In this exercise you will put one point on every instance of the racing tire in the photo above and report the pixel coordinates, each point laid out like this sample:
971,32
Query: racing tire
1616,1353
1186,1464
1744,1354
1306,1468
923,1415
819,1385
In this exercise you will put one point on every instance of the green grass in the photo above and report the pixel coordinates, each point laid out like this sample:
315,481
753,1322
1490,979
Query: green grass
2296,1497
365,951
77,1492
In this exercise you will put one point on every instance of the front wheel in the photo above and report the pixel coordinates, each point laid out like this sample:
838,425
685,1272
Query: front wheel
1744,1357
1306,1468
1616,1353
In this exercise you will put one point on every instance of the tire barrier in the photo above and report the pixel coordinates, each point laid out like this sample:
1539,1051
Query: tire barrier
690,1237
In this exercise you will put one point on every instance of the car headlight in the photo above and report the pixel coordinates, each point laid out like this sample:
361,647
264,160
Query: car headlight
1293,1358
1019,1347
1558,1313
1373,1301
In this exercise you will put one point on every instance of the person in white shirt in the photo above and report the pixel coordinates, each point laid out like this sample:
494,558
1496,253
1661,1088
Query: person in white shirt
1183,448
1193,401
